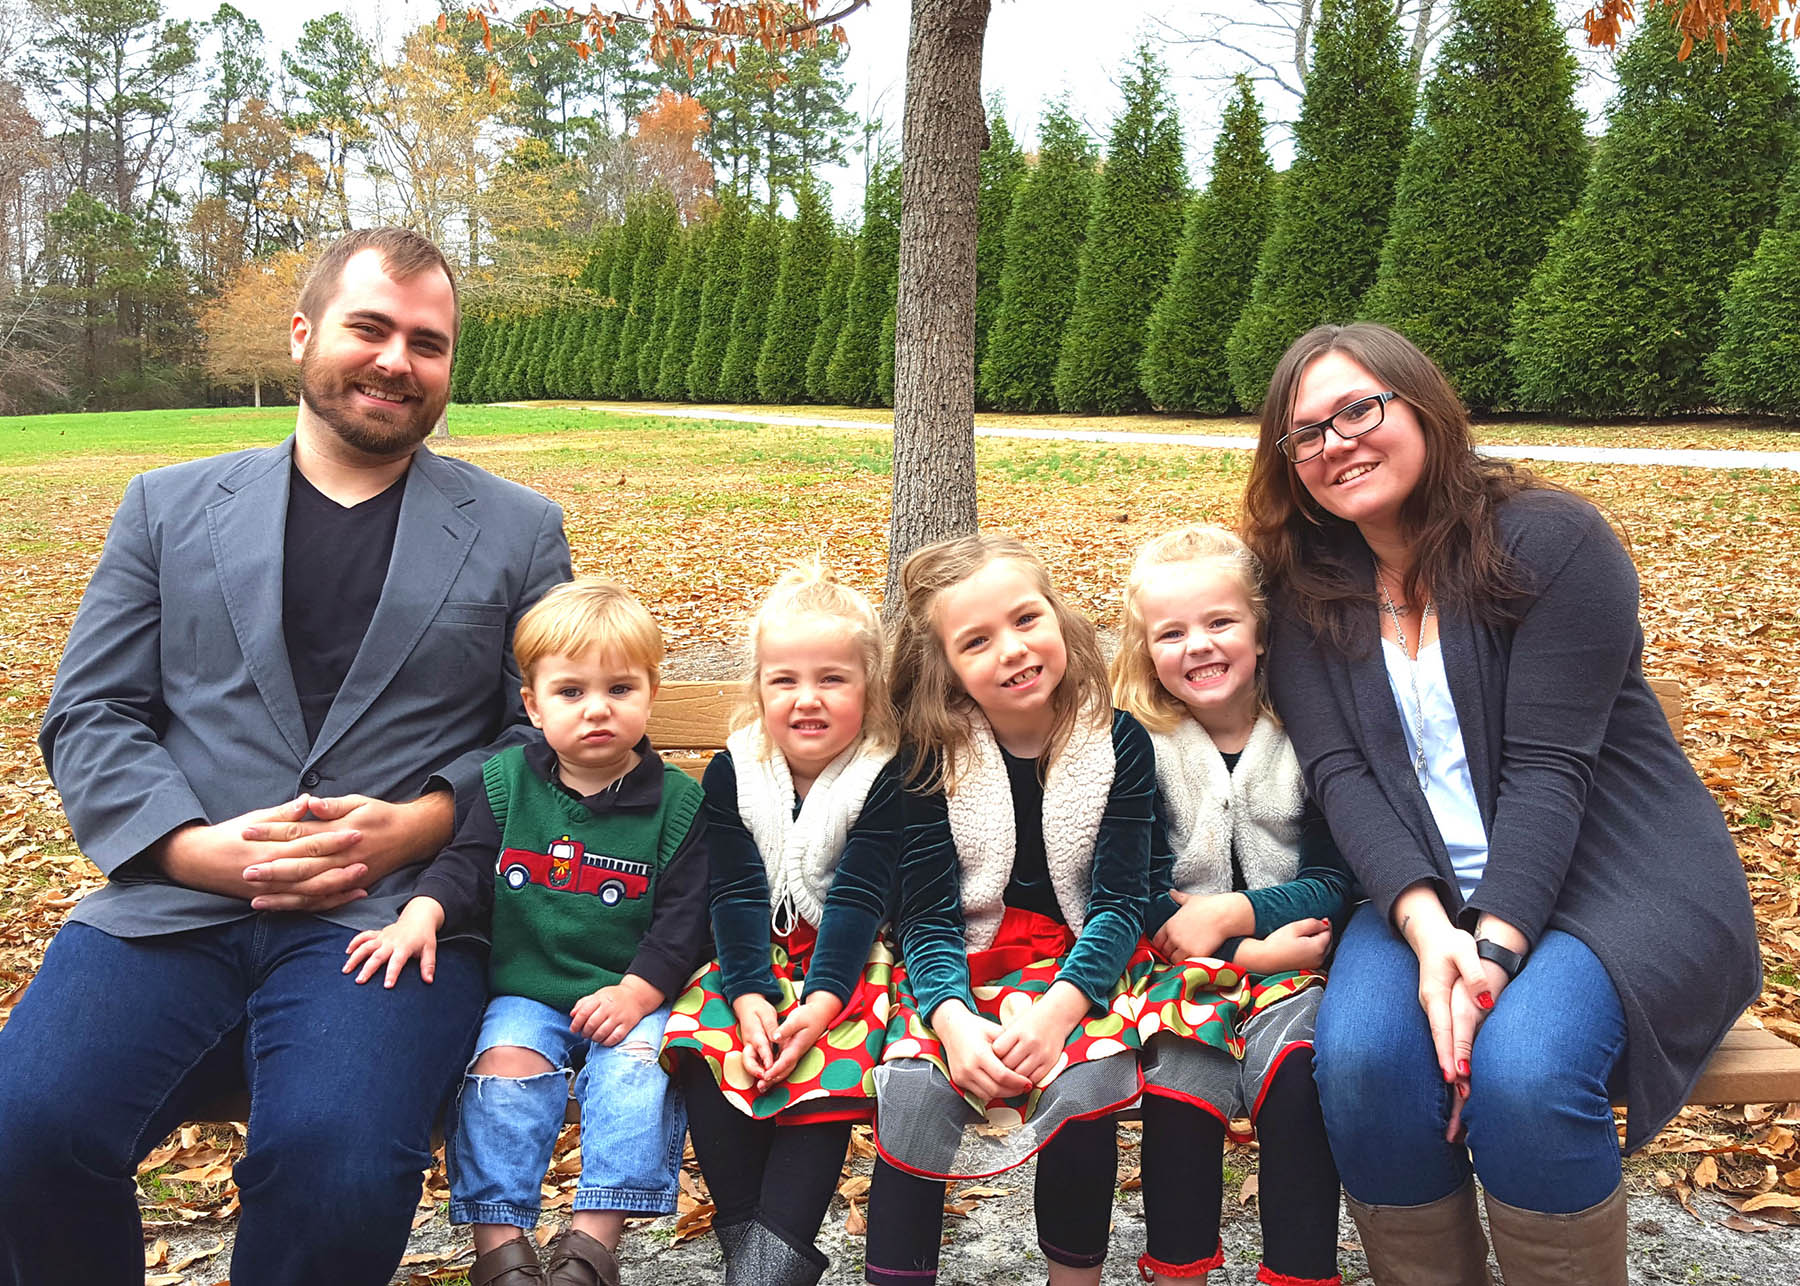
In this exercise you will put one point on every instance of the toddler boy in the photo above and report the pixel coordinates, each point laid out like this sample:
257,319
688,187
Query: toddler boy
599,913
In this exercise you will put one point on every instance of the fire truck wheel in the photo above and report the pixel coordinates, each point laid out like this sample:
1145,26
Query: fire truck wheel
517,877
611,892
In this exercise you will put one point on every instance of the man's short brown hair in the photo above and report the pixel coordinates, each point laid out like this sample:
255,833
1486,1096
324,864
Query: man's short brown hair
404,255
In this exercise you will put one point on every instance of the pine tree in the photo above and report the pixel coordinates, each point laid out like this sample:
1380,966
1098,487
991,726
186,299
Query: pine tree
475,382
1184,362
1002,173
724,262
1044,233
581,377
684,318
503,383
1331,212
1753,368
794,314
603,350
884,377
1130,245
657,209
468,355
668,287
1622,313
854,375
832,300
539,348
757,275
1493,168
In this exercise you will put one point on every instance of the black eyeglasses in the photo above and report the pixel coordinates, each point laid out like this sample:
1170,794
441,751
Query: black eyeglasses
1352,421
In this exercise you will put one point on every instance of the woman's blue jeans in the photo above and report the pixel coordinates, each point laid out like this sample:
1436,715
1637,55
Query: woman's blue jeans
1539,1114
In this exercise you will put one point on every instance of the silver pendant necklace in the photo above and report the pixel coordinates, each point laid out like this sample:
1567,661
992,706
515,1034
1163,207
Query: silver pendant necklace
1412,669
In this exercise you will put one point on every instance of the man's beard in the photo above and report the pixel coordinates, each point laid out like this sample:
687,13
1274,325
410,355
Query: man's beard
332,396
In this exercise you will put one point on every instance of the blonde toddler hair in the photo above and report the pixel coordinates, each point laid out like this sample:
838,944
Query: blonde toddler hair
587,615
935,712
809,589
1135,687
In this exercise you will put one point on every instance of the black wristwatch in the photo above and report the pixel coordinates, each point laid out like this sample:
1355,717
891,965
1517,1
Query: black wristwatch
1510,961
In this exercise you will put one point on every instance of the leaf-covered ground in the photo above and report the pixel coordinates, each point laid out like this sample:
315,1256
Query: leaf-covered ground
697,517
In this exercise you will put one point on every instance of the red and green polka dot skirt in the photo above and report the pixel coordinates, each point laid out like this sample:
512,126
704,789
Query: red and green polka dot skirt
833,1078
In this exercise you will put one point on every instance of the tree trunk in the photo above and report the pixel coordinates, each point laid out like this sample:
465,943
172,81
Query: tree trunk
934,325
256,390
441,430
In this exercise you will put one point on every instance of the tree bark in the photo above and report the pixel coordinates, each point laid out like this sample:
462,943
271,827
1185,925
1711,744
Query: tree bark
934,326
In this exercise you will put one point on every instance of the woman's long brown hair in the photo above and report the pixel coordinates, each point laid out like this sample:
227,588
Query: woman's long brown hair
1321,560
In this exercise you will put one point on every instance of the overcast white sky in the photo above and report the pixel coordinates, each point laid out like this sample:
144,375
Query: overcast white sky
1035,50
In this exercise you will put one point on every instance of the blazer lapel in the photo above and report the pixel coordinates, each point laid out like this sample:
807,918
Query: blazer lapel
248,529
431,541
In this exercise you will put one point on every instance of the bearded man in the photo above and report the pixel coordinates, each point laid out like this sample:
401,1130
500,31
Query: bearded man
287,669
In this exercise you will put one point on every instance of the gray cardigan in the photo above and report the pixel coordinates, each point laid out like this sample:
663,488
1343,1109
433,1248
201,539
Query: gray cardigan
1597,824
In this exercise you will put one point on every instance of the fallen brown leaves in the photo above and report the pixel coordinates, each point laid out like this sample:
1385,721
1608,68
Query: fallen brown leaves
698,519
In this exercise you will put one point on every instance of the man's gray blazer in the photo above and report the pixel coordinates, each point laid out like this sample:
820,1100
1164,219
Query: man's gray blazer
175,701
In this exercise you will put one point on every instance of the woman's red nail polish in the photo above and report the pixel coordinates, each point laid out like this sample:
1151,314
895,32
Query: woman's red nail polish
1485,1000
1462,1066
1462,1090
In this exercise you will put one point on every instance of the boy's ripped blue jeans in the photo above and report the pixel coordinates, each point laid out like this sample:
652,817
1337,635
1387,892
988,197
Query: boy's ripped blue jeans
632,1120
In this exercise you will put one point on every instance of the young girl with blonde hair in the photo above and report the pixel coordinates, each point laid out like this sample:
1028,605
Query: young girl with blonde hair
1023,879
1245,883
774,1042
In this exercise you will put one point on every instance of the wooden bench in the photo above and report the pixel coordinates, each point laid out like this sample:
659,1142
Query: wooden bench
690,722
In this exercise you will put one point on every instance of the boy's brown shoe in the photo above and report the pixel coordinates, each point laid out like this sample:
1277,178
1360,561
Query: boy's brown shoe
512,1263
576,1259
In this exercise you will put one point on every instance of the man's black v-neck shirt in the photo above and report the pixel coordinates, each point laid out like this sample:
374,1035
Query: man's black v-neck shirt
335,561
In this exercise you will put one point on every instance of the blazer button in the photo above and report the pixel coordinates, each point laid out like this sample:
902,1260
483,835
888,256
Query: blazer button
309,779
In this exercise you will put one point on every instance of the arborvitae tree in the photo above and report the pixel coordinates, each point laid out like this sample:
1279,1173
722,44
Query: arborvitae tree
1131,239
540,346
832,300
1043,255
1002,171
582,378
854,374
1493,168
1624,309
684,318
1753,369
603,351
884,378
1184,362
757,276
794,315
660,222
668,284
468,355
502,384
561,378
1331,212
724,263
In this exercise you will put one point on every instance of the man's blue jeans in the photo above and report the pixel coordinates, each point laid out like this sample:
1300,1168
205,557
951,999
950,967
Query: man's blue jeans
116,1038
1539,1115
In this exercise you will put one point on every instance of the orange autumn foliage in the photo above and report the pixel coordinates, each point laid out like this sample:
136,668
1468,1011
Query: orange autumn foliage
667,152
1698,20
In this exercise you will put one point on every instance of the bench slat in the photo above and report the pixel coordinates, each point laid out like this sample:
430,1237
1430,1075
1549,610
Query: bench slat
692,716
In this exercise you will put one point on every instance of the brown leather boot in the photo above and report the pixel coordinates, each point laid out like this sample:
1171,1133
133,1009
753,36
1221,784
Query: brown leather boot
575,1259
1547,1250
511,1263
1439,1244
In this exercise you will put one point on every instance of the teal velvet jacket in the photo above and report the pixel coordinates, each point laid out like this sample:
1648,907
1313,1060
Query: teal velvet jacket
930,916
859,902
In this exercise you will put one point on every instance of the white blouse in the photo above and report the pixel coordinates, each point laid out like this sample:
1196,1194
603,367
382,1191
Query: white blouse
1449,789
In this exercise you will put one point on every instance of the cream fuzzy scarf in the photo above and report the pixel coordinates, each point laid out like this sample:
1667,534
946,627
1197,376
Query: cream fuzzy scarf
1257,807
982,824
800,854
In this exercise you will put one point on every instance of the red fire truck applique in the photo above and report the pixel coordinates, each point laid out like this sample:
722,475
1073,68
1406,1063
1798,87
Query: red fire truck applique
569,868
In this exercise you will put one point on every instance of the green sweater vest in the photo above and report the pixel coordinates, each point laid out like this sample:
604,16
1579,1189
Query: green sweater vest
573,892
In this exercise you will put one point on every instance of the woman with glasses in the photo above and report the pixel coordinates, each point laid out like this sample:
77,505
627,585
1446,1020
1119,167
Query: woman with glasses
1557,915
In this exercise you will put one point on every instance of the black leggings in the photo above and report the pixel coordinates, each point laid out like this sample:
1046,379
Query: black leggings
1297,1193
1077,1174
784,1174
